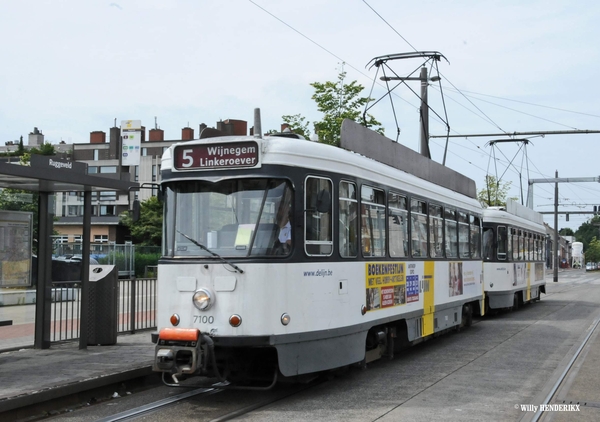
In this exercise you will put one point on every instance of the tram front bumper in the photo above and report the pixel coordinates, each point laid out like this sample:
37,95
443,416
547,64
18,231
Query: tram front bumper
179,351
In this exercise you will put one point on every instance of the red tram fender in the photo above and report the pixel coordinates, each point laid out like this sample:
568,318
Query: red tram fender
179,334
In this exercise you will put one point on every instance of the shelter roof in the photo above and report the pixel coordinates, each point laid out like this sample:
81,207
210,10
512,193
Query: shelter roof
50,174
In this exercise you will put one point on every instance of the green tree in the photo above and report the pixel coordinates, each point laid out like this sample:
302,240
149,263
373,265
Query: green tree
338,101
495,193
21,147
592,253
297,124
587,231
147,231
566,231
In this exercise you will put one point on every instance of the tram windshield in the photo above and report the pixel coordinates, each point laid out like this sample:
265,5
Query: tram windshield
231,218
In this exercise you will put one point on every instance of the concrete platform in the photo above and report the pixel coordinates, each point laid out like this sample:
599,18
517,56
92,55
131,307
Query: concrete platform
32,376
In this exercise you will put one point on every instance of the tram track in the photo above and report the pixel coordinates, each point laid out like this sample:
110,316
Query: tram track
133,414
161,405
565,380
139,412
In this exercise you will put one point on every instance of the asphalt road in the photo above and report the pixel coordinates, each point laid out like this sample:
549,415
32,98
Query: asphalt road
485,372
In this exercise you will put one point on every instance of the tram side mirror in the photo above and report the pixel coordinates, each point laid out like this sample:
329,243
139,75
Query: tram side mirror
323,201
135,212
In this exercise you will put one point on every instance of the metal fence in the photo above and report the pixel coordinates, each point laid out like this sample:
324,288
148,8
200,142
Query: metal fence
122,256
136,308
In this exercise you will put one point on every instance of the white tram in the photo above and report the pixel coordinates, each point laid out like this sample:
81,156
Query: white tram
288,257
514,255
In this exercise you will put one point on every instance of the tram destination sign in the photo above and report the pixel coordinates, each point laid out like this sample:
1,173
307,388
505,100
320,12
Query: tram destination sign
225,155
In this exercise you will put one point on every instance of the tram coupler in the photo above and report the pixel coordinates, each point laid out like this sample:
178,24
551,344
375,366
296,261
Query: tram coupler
180,351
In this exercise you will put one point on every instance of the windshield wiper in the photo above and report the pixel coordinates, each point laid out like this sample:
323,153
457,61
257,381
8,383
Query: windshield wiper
201,246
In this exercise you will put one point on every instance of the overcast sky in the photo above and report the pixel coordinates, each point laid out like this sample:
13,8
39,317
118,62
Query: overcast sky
71,67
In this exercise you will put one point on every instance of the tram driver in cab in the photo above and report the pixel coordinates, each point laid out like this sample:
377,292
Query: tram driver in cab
285,234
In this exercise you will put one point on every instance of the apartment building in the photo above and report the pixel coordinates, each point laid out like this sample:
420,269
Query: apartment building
103,157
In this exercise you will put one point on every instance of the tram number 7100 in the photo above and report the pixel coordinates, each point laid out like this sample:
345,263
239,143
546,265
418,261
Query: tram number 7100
203,319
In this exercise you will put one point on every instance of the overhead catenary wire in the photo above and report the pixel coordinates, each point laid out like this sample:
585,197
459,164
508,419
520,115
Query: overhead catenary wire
478,111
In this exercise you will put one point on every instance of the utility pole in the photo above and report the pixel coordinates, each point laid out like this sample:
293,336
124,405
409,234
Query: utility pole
424,114
556,181
555,252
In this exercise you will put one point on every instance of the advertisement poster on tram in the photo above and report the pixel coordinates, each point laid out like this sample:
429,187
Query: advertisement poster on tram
388,286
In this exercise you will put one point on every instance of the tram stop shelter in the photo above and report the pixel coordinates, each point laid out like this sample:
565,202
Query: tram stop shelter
48,175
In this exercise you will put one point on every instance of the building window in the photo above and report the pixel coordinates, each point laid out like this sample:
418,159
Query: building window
101,238
107,210
62,239
78,238
73,210
108,169
108,196
96,155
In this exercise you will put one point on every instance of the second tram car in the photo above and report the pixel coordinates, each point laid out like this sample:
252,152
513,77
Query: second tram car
289,257
514,255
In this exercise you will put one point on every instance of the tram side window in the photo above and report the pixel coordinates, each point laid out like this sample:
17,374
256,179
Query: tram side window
543,250
502,253
515,244
397,225
521,245
475,239
488,243
348,224
463,235
373,231
451,233
436,235
318,220
418,228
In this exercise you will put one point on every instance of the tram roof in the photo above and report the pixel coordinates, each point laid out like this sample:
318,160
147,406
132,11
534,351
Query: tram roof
445,185
361,140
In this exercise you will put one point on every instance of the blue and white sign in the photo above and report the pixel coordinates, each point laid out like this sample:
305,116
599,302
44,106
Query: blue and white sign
131,139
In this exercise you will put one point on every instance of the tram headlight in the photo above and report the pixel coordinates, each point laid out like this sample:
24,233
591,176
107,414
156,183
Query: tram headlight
203,299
